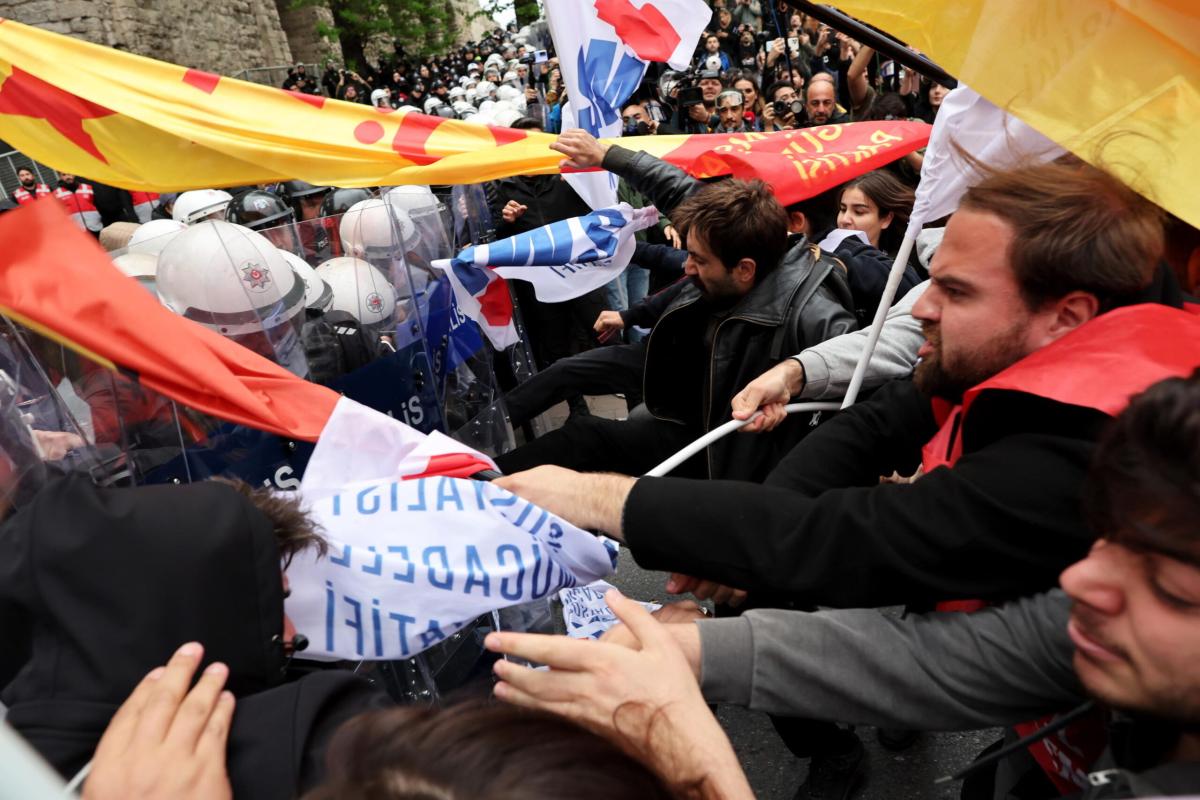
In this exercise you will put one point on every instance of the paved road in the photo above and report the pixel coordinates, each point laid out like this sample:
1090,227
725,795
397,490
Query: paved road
773,772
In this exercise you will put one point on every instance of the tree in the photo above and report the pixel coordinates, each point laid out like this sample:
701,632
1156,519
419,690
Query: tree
424,27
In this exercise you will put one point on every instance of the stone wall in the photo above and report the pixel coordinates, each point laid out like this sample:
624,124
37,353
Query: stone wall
222,36
300,25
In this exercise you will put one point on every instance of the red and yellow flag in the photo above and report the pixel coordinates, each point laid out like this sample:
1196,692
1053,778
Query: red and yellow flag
1116,82
62,285
143,124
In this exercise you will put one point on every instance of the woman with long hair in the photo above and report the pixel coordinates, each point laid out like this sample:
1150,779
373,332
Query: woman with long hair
878,204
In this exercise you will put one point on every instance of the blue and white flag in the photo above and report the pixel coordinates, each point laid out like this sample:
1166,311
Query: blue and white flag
604,47
414,556
562,260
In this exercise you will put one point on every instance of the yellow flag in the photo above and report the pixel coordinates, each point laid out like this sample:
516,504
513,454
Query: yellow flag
1117,82
138,123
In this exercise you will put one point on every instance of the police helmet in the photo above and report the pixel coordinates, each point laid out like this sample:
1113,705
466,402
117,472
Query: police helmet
338,201
258,210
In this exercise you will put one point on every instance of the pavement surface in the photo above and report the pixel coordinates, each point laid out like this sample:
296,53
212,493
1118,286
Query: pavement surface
774,773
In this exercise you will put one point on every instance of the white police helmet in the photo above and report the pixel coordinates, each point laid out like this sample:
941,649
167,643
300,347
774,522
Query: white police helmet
463,108
510,77
456,92
151,237
359,289
505,117
413,198
485,89
140,266
432,104
317,294
232,280
200,204
376,229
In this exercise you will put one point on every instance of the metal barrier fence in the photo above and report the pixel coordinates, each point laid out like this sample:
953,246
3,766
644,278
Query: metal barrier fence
13,160
274,76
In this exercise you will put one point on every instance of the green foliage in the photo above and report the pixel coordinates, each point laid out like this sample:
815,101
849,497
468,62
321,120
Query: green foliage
424,27
527,11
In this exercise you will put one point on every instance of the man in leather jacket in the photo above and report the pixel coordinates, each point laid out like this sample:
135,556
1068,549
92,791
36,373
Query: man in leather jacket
749,296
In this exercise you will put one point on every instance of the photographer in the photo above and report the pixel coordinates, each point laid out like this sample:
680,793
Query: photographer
785,111
696,104
730,109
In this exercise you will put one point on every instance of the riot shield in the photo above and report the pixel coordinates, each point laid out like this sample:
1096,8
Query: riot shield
473,224
234,281
124,433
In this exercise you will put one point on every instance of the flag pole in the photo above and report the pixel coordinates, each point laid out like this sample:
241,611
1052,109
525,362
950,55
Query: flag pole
881,312
716,433
876,40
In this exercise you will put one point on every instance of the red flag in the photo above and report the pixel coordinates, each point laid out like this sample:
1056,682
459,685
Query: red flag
797,164
59,282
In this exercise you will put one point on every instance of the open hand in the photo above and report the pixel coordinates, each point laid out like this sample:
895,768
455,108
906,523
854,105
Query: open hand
165,741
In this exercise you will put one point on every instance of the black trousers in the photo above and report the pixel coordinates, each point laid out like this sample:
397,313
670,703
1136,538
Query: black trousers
593,444
606,370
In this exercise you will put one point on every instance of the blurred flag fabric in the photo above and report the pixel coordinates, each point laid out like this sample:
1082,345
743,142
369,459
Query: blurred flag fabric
142,124
604,48
1064,67
61,284
415,552
562,260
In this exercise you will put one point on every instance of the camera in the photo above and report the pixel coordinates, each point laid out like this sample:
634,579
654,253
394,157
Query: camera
634,127
690,96
783,108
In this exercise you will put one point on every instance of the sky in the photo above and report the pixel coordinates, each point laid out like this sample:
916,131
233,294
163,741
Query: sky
503,17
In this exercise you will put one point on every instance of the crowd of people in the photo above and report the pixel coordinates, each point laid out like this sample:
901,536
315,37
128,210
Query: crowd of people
1022,475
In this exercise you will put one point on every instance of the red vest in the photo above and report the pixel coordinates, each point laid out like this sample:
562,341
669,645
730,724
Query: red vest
143,204
1099,365
23,196
81,205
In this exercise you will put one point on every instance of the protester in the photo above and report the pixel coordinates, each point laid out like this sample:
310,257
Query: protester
1002,289
877,204
750,292
820,102
1120,631
119,576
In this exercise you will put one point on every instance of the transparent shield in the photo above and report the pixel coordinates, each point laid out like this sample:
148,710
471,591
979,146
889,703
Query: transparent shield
122,433
234,281
362,331
472,216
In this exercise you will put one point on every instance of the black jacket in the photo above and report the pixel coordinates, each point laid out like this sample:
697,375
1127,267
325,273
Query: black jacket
549,198
1002,523
697,351
99,586
867,269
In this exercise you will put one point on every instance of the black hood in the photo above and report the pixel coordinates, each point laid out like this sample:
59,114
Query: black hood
110,581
